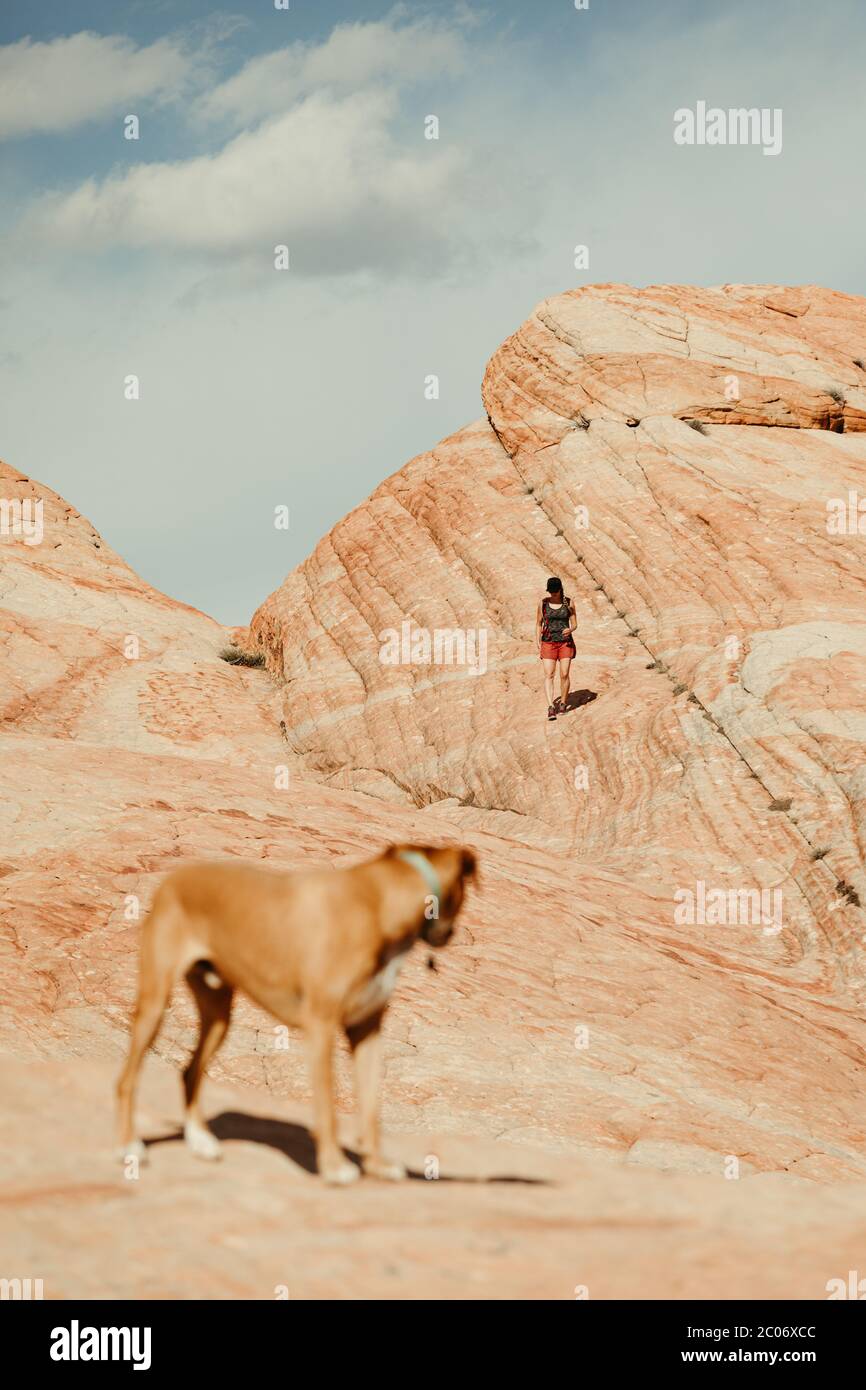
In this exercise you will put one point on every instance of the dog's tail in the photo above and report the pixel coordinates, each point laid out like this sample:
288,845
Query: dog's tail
160,964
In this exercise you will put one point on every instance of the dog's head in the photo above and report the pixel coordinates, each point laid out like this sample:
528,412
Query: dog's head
455,867
451,869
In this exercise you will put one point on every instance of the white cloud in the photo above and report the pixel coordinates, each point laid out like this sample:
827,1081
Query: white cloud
353,55
324,162
62,84
326,178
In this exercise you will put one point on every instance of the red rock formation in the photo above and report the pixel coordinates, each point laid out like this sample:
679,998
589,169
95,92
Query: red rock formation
719,622
718,744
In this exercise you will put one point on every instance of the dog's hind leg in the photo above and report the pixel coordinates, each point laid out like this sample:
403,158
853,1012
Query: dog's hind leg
365,1040
214,1005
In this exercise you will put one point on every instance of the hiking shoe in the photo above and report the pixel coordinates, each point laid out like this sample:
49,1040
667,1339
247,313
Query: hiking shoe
551,711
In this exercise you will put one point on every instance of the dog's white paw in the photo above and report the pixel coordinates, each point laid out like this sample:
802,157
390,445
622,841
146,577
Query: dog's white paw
341,1174
134,1149
385,1169
201,1142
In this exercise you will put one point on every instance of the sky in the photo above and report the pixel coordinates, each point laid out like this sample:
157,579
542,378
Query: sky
260,387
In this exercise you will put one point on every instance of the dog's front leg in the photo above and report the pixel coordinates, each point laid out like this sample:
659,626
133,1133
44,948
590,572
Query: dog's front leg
333,1164
365,1040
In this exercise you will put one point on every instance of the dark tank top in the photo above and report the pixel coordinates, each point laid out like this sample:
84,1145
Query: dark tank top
553,620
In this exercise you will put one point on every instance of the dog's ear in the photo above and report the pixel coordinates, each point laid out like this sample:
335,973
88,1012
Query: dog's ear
468,864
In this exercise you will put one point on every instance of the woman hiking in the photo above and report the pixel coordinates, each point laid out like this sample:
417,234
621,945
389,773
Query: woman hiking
554,620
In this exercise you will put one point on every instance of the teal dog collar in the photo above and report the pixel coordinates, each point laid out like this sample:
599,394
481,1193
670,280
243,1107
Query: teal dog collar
425,869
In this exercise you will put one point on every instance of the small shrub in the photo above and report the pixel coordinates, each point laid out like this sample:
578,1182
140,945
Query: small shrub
846,891
678,689
820,853
784,805
697,425
235,657
836,395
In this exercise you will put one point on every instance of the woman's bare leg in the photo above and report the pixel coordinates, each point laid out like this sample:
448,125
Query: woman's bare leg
564,665
549,664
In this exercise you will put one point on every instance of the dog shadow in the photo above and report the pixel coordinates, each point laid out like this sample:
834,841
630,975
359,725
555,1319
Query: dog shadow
576,698
297,1143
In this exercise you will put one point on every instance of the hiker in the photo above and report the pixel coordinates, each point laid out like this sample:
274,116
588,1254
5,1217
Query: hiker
554,620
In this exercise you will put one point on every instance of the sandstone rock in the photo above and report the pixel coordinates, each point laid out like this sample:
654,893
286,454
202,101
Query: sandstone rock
578,1028
698,560
503,1220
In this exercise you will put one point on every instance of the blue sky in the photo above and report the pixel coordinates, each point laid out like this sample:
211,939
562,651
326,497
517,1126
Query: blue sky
407,256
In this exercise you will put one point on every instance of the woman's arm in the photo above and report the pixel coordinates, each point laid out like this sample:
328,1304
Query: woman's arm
538,623
572,619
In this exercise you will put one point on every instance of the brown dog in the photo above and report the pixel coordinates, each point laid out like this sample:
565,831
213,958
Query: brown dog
320,949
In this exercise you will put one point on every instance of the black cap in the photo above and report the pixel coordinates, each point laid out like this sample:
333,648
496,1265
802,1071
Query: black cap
554,586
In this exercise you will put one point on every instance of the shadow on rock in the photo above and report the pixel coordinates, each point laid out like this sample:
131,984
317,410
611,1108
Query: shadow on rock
577,698
297,1143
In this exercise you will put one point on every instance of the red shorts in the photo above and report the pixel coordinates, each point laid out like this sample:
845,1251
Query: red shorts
555,650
